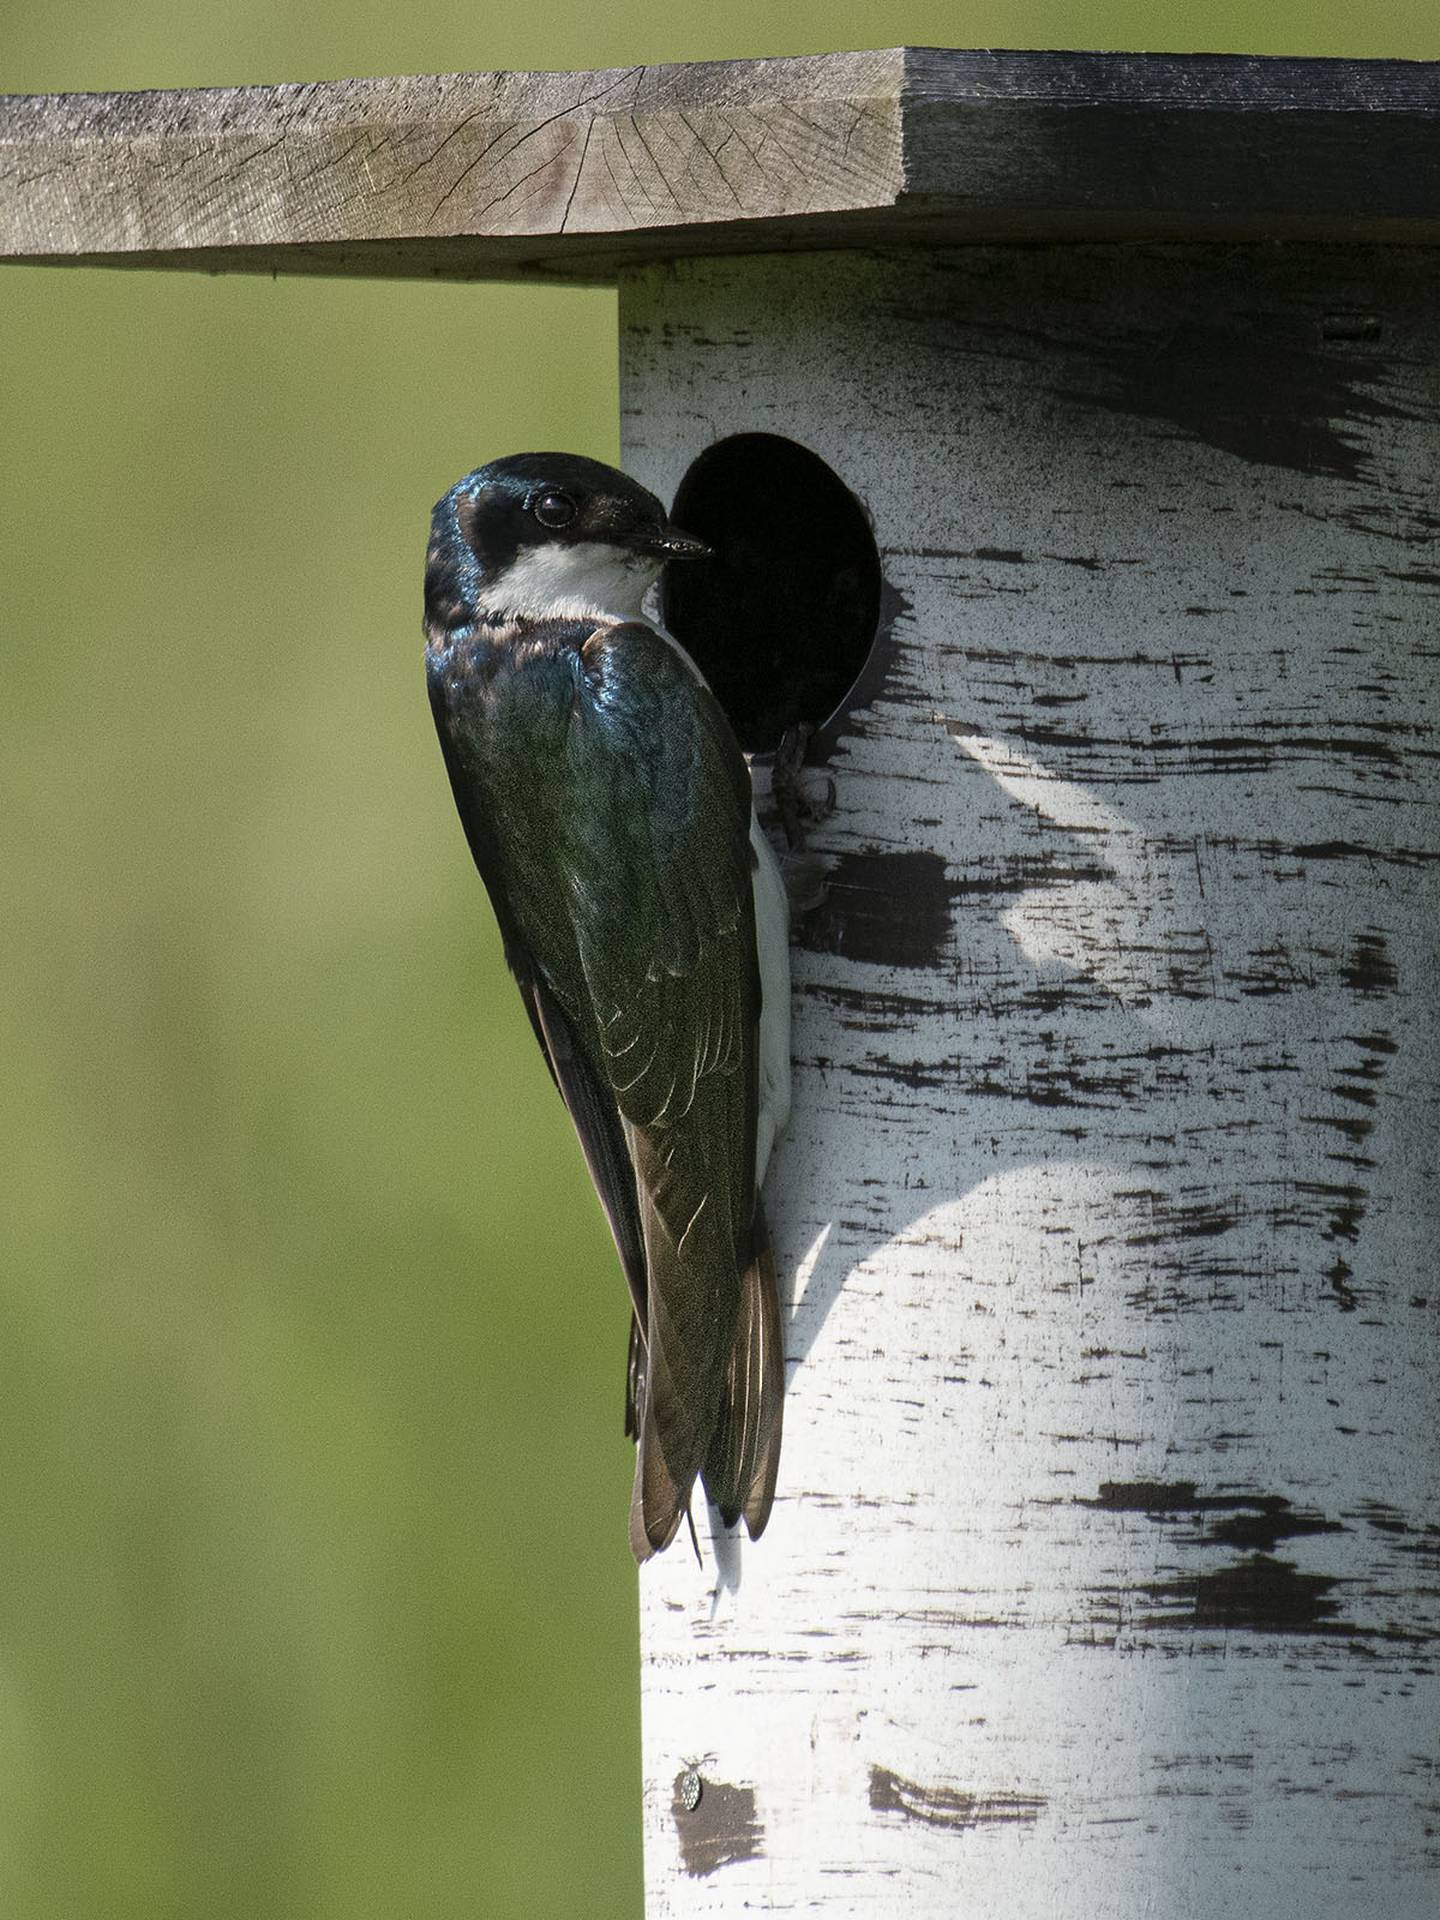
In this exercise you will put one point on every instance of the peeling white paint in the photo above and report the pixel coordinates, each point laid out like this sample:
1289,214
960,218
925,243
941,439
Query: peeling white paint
1102,1581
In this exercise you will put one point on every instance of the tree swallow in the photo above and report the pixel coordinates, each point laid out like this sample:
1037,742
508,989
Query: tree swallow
609,810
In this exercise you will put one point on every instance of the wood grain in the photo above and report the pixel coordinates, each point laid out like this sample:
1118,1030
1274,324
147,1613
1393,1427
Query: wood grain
573,176
1102,1581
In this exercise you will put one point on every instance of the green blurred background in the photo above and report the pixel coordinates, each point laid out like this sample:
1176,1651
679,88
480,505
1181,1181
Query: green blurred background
314,1592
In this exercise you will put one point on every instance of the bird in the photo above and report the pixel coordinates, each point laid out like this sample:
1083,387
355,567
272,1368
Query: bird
643,914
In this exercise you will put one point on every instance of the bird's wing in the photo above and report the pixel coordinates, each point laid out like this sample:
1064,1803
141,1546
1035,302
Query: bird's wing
659,871
596,1117
587,1096
660,875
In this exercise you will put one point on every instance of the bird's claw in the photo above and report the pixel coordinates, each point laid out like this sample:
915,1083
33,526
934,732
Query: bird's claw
798,799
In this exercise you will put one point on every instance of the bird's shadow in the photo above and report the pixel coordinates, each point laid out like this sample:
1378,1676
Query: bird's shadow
883,960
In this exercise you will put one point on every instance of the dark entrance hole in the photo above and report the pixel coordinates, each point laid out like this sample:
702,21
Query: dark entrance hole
782,619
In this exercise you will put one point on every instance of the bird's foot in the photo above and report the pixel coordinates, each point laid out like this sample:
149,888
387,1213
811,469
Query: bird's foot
788,796
799,798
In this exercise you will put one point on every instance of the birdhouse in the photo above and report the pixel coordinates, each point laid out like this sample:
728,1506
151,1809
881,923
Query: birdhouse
1066,427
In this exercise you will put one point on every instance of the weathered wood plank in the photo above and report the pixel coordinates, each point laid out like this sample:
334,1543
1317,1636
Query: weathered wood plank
574,175
1102,1577
466,174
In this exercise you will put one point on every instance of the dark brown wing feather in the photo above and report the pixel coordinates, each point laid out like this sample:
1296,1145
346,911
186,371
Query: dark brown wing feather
744,1456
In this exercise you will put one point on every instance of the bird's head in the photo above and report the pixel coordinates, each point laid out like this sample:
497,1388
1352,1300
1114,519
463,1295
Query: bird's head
545,536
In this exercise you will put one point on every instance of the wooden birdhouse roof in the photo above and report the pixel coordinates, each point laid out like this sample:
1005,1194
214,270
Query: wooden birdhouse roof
569,176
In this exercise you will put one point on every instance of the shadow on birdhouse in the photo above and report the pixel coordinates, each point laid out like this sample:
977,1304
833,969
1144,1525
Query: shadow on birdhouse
782,620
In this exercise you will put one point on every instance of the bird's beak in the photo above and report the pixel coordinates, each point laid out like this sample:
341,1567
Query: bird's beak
671,544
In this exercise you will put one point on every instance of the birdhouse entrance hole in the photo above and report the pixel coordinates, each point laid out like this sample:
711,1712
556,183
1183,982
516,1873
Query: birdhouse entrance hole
781,621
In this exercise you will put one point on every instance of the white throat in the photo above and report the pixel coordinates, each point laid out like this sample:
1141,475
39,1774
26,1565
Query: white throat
560,582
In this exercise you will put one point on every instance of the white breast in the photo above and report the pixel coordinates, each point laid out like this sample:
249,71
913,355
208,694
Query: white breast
772,937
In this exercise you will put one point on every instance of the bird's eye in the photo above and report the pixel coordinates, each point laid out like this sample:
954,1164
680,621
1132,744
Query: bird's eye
553,508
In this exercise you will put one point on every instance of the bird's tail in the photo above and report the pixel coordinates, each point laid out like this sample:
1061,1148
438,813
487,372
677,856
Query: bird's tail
744,1453
659,1497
